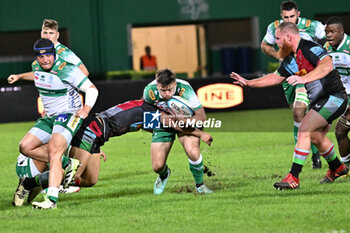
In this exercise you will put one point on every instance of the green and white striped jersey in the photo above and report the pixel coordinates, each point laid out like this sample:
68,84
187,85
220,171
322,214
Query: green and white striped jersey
308,30
67,54
183,89
58,88
341,60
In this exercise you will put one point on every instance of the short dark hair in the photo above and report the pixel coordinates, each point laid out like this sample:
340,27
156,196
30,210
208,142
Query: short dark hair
335,20
289,5
165,77
288,26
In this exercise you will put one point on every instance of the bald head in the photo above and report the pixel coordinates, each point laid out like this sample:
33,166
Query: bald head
288,27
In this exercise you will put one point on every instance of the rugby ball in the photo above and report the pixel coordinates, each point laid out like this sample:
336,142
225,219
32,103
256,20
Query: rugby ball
180,107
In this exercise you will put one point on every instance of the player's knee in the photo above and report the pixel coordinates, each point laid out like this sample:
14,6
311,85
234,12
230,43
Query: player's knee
299,112
25,148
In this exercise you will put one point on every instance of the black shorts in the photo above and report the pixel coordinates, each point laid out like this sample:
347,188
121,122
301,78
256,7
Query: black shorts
331,107
90,136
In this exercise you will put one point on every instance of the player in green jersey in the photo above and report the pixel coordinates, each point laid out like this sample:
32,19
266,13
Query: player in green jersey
338,46
49,31
296,95
58,83
160,90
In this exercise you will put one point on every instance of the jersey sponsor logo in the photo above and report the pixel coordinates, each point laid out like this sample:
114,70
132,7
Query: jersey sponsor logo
317,50
220,95
301,72
62,118
151,95
60,50
276,23
181,92
308,23
73,122
62,65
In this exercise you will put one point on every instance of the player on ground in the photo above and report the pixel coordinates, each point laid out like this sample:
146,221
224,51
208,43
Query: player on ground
338,46
58,83
313,67
296,95
86,143
162,89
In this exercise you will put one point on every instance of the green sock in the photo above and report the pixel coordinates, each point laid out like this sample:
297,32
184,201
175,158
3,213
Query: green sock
65,161
314,149
197,170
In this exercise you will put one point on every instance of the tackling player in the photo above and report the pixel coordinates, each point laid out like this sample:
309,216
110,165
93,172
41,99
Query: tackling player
86,143
296,95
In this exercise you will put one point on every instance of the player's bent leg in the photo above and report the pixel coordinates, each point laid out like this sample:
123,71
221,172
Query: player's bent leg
89,177
30,146
26,169
84,157
159,155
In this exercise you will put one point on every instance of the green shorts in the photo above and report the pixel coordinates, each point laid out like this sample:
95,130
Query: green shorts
66,124
164,135
289,92
25,167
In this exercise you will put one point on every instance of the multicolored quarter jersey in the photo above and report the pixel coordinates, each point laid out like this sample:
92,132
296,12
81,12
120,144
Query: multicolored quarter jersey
308,30
58,88
306,58
341,60
183,89
115,121
67,54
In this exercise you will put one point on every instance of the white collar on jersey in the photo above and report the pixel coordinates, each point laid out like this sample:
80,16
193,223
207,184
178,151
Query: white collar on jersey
343,41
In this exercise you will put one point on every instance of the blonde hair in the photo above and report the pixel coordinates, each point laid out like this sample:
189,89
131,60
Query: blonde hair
50,23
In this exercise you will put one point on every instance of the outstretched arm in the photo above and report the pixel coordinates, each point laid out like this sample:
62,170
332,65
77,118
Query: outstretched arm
265,81
24,76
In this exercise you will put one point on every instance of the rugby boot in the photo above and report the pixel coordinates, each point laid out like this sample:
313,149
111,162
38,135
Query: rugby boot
316,161
46,204
70,171
203,189
289,182
20,194
159,185
330,176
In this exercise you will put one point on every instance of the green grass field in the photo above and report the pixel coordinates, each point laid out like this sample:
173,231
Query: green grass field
254,151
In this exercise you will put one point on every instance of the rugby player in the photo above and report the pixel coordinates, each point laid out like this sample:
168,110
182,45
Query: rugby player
307,63
295,95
